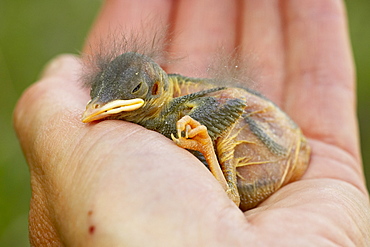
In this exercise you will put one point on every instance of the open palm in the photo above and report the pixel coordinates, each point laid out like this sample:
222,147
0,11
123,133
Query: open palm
115,183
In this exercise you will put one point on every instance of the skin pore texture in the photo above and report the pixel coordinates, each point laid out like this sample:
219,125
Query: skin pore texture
114,183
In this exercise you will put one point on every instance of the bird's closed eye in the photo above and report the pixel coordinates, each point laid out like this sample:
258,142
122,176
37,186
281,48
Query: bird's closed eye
137,88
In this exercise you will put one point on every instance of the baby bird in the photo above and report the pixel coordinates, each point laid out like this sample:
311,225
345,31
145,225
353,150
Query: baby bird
250,146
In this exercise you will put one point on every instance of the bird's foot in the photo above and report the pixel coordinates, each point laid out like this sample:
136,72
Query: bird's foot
194,136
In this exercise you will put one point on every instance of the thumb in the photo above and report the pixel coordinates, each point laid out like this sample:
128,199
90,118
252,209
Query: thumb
43,108
56,91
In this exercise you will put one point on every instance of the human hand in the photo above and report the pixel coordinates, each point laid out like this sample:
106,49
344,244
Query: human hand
114,183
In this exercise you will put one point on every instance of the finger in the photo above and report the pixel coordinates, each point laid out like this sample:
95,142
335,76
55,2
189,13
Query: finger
44,99
52,105
261,39
320,94
201,28
128,18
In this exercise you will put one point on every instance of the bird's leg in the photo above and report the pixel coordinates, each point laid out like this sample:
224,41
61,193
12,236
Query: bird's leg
225,147
197,138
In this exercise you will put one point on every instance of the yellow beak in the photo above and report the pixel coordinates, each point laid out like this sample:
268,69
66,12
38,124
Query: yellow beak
95,111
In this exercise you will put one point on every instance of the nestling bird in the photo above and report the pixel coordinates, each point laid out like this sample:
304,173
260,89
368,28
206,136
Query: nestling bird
250,146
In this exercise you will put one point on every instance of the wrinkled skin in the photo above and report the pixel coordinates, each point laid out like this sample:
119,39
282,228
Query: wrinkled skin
86,191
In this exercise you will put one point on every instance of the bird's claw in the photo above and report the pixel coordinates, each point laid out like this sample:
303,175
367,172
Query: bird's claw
191,134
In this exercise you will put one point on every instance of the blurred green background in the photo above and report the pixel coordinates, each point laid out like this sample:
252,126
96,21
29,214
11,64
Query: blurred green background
32,32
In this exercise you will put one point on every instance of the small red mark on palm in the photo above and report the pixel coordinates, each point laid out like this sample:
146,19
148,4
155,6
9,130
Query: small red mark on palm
91,229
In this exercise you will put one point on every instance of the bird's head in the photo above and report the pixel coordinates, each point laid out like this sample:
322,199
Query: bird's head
127,87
